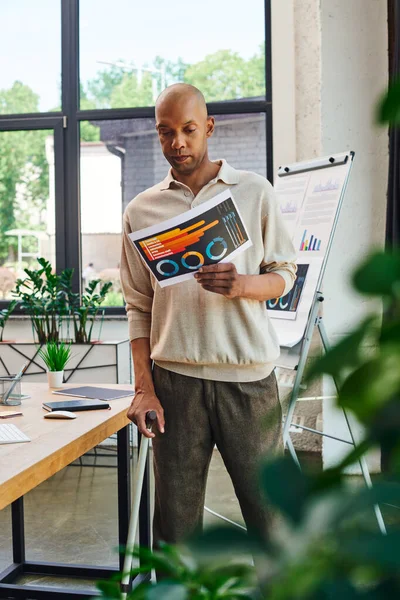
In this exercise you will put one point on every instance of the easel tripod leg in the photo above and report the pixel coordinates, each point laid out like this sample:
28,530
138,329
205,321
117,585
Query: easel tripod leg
301,366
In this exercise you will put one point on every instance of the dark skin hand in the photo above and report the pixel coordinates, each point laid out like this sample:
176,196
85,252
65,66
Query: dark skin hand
143,403
222,278
145,399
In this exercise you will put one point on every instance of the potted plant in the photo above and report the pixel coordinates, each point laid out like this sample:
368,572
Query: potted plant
5,315
48,299
44,296
84,310
55,357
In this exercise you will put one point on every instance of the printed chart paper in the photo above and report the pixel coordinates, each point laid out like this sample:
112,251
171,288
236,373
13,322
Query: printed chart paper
208,234
287,306
290,331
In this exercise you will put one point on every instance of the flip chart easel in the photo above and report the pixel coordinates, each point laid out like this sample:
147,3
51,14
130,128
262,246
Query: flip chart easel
310,195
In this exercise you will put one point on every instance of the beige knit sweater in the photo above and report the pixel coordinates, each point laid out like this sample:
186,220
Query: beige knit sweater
192,331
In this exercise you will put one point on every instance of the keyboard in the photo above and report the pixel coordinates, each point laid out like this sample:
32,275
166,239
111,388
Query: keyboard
10,434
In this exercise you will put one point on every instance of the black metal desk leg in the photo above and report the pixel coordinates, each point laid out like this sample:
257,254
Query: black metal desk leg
18,530
124,488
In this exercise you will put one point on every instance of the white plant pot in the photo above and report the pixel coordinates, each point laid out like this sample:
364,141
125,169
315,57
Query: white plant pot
55,378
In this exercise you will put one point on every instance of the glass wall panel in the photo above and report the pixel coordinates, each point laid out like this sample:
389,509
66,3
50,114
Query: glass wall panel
30,50
128,54
121,158
27,204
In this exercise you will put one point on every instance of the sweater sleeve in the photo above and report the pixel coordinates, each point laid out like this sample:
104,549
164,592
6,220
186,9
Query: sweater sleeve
136,287
279,252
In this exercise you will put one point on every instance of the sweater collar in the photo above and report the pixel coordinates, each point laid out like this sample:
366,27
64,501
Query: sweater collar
227,174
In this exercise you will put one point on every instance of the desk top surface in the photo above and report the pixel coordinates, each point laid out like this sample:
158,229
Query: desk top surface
55,442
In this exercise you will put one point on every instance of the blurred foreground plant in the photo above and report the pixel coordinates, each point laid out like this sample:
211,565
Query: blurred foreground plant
328,544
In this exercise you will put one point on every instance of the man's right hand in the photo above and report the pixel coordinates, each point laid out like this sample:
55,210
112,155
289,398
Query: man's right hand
142,403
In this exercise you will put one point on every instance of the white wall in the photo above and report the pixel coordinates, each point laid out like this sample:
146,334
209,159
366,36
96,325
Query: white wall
283,82
354,75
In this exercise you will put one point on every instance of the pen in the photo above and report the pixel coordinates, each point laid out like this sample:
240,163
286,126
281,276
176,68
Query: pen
16,379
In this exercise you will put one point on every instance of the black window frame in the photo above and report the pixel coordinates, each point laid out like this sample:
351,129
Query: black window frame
66,126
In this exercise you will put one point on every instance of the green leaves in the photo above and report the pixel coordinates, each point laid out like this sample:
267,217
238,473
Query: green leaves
379,275
5,315
55,356
388,111
346,354
374,548
168,590
372,385
48,297
286,487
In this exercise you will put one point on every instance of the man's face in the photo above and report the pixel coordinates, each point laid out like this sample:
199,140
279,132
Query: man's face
183,128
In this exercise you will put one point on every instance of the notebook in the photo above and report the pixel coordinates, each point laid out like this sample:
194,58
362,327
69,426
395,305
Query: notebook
75,405
94,393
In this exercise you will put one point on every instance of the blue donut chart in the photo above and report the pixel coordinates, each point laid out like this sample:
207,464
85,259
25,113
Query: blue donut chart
165,273
217,240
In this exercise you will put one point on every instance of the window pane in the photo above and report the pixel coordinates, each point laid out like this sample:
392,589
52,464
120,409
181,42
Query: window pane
130,53
119,159
30,38
27,209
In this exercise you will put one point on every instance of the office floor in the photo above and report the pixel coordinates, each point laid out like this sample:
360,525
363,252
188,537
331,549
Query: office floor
72,517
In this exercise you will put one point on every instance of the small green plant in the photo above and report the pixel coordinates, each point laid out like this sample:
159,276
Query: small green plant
5,315
55,356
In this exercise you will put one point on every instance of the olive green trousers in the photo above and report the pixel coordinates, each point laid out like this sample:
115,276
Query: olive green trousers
242,419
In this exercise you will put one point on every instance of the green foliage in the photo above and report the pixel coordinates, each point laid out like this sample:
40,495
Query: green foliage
101,87
225,75
48,298
88,131
43,295
114,299
369,378
131,93
23,166
388,110
5,315
55,356
187,577
85,309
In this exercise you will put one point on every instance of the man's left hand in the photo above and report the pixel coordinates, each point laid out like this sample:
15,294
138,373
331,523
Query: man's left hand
221,279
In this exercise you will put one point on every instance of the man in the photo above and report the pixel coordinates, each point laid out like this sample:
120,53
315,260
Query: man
210,338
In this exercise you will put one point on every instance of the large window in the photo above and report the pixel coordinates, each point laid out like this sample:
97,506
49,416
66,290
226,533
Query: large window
27,204
128,55
30,50
89,74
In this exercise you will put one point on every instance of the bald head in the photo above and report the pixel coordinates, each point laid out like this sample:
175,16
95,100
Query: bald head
184,127
179,94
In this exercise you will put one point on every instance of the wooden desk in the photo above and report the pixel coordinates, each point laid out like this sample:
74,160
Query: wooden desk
55,444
